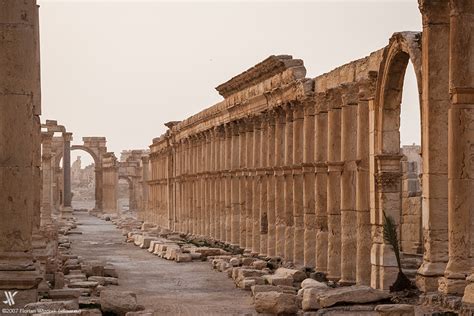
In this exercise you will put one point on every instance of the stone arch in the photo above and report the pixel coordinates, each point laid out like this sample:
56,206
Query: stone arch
385,166
96,147
129,181
403,47
89,151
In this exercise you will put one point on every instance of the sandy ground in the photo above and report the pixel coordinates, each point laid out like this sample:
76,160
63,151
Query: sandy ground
167,287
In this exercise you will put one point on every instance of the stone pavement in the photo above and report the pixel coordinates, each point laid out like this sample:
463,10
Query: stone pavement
161,285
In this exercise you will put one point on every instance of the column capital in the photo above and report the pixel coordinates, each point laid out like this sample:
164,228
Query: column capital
309,109
67,136
298,111
321,105
434,11
333,98
349,94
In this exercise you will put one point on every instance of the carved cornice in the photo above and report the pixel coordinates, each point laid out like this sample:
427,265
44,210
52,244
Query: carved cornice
258,73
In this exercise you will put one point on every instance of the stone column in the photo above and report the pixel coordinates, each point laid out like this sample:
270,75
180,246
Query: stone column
271,182
348,184
186,187
47,193
280,182
243,182
235,203
364,241
145,185
387,177
228,182
222,188
99,194
262,175
435,103
256,186
309,208
249,184
200,196
461,150
207,170
288,186
19,143
214,187
334,187
193,184
66,211
321,156
298,214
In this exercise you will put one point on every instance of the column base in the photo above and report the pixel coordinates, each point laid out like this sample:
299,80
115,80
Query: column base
66,212
452,286
427,284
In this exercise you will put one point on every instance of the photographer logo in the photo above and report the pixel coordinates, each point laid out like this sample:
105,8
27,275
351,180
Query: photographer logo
9,295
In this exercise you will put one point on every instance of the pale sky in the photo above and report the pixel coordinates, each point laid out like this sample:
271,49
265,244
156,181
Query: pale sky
121,69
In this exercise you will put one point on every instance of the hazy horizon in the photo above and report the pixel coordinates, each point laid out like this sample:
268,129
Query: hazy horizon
121,69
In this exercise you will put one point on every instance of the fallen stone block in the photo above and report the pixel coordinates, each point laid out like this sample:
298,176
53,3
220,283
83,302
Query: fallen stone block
206,252
395,310
276,303
296,275
146,242
83,284
118,302
184,257
109,271
274,279
98,279
64,294
310,283
311,298
265,288
247,283
111,281
259,264
351,295
235,262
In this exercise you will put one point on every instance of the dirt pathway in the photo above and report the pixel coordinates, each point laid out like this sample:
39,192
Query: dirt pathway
167,287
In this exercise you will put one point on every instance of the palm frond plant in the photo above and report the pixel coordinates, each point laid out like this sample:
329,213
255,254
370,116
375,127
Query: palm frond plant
390,236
